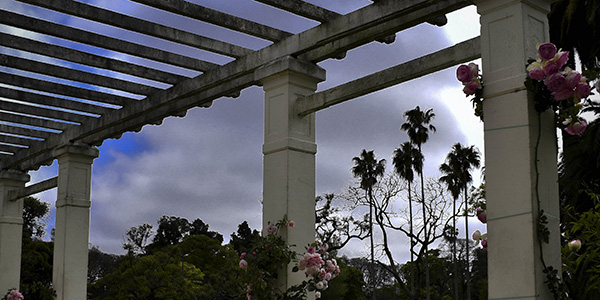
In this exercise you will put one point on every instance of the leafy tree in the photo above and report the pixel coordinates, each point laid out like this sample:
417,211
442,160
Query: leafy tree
347,286
36,270
100,264
198,227
35,213
368,169
137,238
152,277
171,230
243,239
406,159
417,126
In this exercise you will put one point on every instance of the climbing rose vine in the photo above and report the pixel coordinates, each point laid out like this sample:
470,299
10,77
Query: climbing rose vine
472,82
557,85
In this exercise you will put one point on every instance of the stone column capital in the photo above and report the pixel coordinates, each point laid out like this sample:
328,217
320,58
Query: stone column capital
288,64
76,149
486,6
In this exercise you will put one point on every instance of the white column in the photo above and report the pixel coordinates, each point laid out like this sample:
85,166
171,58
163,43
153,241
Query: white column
289,152
11,230
510,31
72,224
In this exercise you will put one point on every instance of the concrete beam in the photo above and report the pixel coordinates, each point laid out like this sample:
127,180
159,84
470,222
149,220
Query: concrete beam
304,9
63,89
142,26
75,75
378,24
33,189
102,41
460,53
84,58
31,121
49,101
216,17
25,131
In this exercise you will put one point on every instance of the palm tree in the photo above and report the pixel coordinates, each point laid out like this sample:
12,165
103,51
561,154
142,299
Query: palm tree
406,159
368,169
417,126
459,163
454,187
568,20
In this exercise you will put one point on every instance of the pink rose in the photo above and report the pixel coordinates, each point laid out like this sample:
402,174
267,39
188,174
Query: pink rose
556,82
535,71
464,73
477,235
481,215
563,94
471,87
292,223
547,51
573,78
317,294
551,67
271,229
310,250
242,255
474,69
243,263
484,244
15,295
576,128
583,90
562,58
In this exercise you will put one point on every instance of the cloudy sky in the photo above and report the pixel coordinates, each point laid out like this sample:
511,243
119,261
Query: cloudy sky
208,165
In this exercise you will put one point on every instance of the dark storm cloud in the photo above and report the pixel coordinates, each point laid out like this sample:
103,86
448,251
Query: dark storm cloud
208,165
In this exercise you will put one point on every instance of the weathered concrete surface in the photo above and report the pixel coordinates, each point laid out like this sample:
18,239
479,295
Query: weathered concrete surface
11,229
510,31
289,154
72,225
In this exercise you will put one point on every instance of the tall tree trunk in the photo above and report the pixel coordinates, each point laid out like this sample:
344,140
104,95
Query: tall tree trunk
372,268
454,250
426,239
412,260
468,279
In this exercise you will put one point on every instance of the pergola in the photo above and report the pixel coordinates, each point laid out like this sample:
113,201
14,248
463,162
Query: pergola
45,120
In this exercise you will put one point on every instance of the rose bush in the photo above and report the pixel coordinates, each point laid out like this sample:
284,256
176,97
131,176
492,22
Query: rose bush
271,254
567,88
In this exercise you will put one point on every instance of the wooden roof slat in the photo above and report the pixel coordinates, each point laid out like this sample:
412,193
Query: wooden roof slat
18,140
141,26
86,58
63,89
9,148
216,17
31,121
44,112
75,75
53,101
25,131
102,41
304,9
